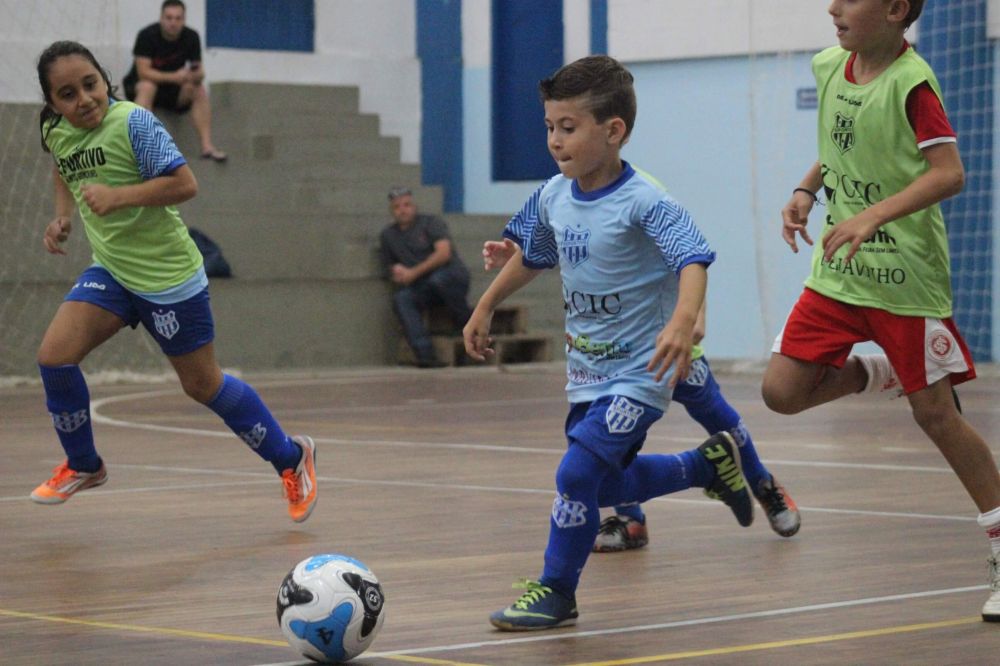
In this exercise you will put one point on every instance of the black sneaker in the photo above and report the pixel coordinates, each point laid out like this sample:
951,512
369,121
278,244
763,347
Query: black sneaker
729,484
540,607
779,506
618,533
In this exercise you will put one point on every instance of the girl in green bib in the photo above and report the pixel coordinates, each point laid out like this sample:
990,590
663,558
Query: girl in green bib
115,163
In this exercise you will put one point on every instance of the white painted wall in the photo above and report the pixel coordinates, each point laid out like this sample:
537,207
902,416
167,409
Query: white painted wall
368,43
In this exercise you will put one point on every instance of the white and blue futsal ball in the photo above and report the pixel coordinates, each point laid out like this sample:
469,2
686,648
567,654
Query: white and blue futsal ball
330,608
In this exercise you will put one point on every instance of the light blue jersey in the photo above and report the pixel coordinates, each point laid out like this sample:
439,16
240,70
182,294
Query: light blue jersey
619,250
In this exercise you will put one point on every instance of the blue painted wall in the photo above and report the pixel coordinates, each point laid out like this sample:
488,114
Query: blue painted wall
527,47
260,24
439,47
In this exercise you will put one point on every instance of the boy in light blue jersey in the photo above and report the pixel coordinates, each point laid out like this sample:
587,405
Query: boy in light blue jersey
633,267
702,397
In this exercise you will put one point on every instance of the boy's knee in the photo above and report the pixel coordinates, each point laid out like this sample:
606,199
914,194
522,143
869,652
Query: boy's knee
778,398
201,388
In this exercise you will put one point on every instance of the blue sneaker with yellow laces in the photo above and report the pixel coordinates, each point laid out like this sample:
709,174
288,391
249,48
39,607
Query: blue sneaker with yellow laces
540,607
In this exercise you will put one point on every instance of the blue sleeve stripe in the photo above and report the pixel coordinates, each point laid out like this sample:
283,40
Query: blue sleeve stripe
704,259
672,229
173,166
536,240
155,151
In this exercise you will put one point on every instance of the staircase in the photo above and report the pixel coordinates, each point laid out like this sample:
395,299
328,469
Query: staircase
298,209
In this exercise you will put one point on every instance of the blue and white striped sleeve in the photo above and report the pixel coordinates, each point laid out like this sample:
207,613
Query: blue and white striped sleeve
154,148
535,238
679,240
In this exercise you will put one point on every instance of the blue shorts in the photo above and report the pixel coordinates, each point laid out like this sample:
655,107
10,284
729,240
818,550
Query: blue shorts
179,328
612,427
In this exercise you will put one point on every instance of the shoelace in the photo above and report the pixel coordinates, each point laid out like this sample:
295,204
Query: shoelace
292,490
60,473
611,525
535,592
773,498
993,567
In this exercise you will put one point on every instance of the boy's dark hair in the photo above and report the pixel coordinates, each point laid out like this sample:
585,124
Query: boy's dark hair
605,82
173,3
48,118
916,6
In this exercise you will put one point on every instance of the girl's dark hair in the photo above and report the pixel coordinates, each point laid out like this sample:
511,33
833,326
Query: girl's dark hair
916,6
608,85
48,118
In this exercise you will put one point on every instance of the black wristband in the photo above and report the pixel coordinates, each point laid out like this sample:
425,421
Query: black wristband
809,192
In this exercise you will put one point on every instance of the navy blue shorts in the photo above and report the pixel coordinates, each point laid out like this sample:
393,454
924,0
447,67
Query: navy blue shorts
179,328
612,427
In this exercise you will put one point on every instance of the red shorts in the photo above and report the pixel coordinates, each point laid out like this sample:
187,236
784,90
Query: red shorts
921,350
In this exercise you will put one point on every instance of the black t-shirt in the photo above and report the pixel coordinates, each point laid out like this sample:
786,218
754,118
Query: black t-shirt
167,56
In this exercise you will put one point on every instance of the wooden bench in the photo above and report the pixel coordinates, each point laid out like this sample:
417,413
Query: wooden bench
511,341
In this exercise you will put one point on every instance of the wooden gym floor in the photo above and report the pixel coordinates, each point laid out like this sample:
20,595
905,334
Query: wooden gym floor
441,481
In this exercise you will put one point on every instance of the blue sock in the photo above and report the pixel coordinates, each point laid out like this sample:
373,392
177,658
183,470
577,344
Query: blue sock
246,414
708,407
632,510
574,520
68,401
655,475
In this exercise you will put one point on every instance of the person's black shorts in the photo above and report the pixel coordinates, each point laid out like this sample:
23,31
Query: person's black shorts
166,96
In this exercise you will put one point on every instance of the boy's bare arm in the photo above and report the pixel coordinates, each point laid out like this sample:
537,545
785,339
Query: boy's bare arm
944,179
795,214
477,331
673,344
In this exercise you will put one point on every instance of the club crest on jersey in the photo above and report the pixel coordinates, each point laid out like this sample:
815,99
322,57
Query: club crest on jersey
843,132
622,415
576,246
166,324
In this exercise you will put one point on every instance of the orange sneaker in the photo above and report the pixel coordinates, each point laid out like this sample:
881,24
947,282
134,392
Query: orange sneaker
65,482
300,483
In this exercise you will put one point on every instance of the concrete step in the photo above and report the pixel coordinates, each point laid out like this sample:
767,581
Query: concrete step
295,150
247,99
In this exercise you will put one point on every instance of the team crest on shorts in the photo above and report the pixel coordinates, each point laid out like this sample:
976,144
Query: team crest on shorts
939,346
622,415
166,324
843,132
576,246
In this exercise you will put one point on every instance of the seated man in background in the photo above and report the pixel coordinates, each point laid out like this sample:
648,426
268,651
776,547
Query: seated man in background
168,74
417,255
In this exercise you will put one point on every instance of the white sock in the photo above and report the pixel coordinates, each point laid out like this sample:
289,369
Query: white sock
882,378
990,521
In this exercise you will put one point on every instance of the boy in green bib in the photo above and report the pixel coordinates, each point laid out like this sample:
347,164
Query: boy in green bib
887,157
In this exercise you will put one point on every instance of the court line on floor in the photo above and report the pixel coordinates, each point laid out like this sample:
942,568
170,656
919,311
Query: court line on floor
267,477
199,635
558,635
791,642
97,417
